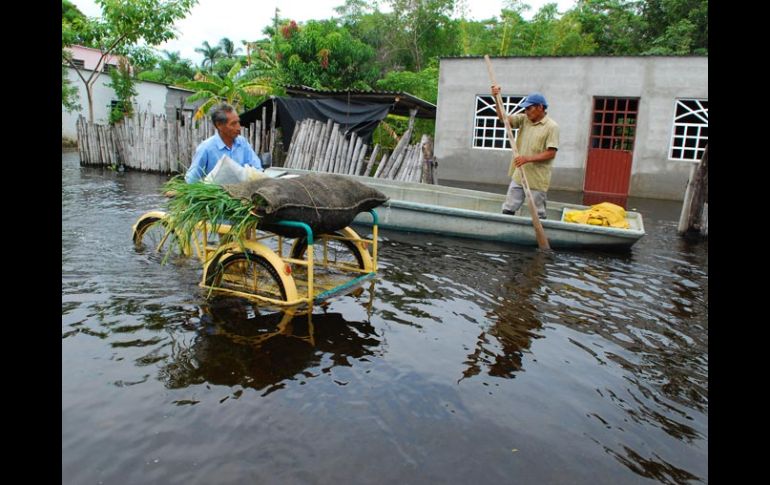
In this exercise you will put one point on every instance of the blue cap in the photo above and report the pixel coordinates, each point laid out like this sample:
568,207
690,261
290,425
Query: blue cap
534,98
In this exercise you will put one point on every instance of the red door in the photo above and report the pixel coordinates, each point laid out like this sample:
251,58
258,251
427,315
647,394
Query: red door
608,167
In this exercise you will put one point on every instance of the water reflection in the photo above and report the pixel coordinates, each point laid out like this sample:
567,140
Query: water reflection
515,322
658,470
238,343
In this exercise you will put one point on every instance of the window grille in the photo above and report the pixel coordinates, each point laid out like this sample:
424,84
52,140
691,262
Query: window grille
488,130
79,63
690,132
614,123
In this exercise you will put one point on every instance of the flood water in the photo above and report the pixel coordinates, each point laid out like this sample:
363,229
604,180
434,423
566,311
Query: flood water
466,362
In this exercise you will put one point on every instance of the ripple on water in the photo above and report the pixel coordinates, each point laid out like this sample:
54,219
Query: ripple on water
573,366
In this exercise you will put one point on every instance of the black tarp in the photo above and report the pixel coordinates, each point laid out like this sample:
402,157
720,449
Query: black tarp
357,117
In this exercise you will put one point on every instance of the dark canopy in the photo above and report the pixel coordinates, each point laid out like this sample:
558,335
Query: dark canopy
352,116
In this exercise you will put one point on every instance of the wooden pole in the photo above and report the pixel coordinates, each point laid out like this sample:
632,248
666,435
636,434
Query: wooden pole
272,129
427,162
694,218
370,162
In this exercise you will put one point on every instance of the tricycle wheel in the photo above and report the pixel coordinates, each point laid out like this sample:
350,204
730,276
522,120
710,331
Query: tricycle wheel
152,234
338,251
245,272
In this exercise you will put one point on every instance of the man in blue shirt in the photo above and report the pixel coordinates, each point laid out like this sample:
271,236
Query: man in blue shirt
226,141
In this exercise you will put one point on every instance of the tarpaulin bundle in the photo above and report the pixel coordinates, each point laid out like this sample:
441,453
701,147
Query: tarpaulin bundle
325,202
604,214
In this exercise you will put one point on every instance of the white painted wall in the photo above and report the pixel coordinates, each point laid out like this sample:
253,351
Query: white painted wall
150,97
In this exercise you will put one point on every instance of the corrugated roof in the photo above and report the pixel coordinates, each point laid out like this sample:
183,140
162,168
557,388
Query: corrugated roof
402,102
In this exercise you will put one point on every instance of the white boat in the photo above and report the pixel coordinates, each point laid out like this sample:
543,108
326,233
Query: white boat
452,211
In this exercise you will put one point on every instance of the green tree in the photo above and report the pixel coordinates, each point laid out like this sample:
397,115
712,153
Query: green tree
122,83
124,23
228,48
615,25
210,54
424,30
423,84
551,34
171,69
239,91
323,55
375,29
142,59
223,66
69,93
677,27
70,16
264,65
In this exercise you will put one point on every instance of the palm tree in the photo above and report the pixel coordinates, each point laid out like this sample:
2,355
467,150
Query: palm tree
210,54
263,61
228,48
172,57
249,46
237,91
174,68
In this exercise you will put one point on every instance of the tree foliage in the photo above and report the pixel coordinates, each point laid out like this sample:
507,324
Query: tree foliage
675,27
234,88
171,69
71,17
423,84
324,55
211,54
69,93
228,48
122,83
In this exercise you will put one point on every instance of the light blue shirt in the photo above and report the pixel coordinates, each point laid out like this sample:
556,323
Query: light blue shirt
211,150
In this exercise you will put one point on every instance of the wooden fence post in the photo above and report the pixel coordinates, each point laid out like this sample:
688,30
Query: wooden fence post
694,218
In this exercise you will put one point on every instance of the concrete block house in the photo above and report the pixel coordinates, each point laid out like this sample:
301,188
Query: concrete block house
630,126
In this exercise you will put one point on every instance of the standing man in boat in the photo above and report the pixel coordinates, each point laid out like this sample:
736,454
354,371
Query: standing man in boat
537,143
226,141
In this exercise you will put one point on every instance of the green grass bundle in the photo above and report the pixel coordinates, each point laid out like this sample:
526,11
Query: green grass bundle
210,203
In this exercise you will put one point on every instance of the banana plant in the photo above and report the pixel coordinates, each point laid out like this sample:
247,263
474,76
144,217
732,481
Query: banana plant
234,89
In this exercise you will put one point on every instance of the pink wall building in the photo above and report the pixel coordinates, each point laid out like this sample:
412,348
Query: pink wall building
86,57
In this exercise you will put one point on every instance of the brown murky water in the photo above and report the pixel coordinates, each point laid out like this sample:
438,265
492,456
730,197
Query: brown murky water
466,363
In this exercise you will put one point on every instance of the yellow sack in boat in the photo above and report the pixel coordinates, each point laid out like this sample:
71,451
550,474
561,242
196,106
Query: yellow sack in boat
604,214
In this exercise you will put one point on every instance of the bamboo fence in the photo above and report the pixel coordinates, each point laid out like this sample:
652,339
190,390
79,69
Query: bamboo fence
150,143
324,147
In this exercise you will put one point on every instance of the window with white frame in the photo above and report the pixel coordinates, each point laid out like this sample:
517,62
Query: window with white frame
690,133
488,130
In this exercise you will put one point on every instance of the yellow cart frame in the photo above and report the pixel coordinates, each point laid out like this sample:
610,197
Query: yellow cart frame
281,276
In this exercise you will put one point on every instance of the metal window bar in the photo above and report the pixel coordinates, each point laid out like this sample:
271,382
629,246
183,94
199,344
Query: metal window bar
689,131
488,130
614,123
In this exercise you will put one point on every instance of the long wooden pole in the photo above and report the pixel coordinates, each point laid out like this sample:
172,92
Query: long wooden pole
542,240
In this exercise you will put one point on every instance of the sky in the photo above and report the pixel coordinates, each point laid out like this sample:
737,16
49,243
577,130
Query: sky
210,20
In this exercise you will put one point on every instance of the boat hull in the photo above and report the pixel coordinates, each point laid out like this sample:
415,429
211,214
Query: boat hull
415,217
452,211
